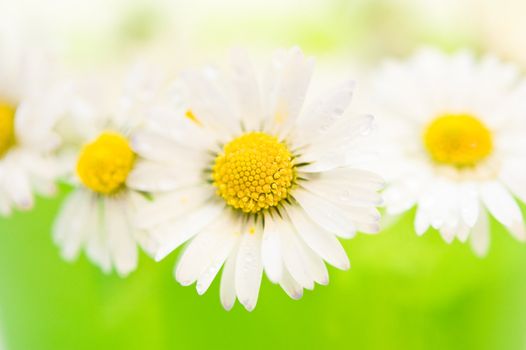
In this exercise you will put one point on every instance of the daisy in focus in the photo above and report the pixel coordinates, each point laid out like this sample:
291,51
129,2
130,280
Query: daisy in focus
28,117
453,136
255,180
98,215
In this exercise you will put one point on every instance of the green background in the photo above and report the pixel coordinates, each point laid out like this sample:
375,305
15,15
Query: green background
402,292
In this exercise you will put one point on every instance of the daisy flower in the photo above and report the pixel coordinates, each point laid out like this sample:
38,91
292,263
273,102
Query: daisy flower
98,214
28,118
453,131
256,181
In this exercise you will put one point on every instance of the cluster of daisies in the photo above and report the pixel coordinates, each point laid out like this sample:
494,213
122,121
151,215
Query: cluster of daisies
236,165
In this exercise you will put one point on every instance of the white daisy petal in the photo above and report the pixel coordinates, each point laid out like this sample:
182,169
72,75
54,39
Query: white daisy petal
512,176
463,232
322,242
398,199
5,206
293,259
448,233
504,208
324,112
247,90
206,250
345,176
156,147
44,186
422,220
19,188
334,148
271,252
313,263
149,176
480,237
171,205
143,238
209,102
175,233
290,92
249,269
357,203
205,280
97,248
122,246
43,167
290,286
70,228
350,196
326,214
469,204
227,289
368,228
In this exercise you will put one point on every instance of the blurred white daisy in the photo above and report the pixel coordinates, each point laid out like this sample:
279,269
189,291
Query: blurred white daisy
31,99
453,135
262,183
98,214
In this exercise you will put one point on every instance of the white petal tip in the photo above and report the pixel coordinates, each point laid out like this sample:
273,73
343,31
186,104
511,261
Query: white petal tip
462,239
518,231
25,205
69,257
420,231
450,239
296,295
201,287
50,191
106,269
227,306
249,306
324,282
344,266
480,253
160,255
347,235
124,274
183,283
274,279
310,287
372,229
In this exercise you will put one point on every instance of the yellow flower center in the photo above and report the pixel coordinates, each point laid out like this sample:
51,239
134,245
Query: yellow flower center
254,172
104,164
458,139
7,127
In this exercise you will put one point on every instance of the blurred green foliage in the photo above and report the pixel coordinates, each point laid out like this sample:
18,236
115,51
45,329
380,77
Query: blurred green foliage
361,30
403,292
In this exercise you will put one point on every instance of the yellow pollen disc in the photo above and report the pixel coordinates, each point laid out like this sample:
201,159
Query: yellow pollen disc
7,127
104,164
458,139
254,172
